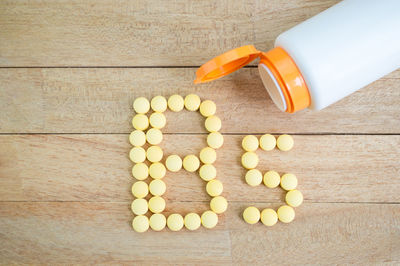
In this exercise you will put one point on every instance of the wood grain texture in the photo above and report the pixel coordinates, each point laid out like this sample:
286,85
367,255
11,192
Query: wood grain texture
97,168
65,198
141,33
322,233
100,101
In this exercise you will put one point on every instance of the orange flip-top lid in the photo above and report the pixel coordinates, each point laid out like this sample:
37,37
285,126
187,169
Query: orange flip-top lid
226,63
280,64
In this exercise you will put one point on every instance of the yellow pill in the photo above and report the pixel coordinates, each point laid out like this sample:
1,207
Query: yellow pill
173,163
175,222
176,103
137,138
192,221
140,171
285,214
251,215
253,177
156,204
140,189
158,104
208,155
269,217
157,120
267,142
285,142
157,187
154,154
157,170
249,160
154,136
218,204
209,219
140,223
250,143
213,123
208,108
139,206
192,102
214,188
137,155
141,105
294,198
158,222
207,172
140,122
272,179
215,140
191,163
288,181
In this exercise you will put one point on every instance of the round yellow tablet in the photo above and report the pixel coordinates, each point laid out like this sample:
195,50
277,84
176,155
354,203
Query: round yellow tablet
141,105
285,142
218,204
175,222
137,155
249,160
208,108
157,170
192,221
140,122
156,204
139,206
285,214
140,223
173,163
192,102
137,138
157,120
267,142
158,222
250,143
157,187
209,219
294,198
154,136
175,103
215,140
208,155
253,177
191,163
140,171
272,179
140,189
158,104
288,181
214,188
207,172
154,154
269,217
213,123
251,215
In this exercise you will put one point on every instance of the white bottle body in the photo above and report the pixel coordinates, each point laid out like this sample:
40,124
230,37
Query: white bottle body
345,48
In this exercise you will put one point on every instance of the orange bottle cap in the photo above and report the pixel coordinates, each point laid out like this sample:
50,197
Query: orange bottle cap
285,83
226,63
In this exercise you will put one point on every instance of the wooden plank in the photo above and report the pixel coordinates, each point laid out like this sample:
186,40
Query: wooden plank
71,232
97,168
100,101
141,33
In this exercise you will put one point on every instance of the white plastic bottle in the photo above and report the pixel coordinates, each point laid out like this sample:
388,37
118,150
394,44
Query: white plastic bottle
325,58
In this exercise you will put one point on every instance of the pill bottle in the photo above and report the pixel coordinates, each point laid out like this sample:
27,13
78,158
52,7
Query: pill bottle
323,59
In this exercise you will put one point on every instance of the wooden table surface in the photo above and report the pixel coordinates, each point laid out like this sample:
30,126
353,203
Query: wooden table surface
69,73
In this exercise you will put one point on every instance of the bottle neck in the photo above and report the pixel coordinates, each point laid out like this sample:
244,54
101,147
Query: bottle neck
283,81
